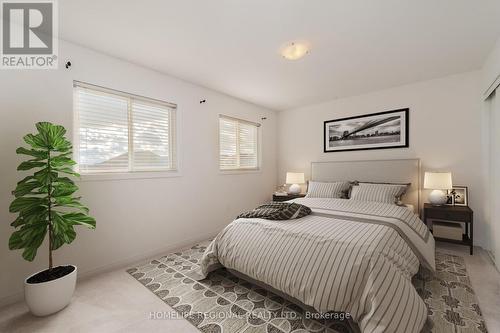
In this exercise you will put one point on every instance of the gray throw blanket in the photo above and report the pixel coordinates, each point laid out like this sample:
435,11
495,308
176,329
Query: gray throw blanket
278,211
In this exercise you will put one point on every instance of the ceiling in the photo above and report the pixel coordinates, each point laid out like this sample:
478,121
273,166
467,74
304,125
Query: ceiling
233,46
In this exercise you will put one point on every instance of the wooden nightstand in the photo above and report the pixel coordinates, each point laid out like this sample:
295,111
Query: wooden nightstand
462,214
287,197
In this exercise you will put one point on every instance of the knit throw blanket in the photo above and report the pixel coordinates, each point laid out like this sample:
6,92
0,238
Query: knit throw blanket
278,211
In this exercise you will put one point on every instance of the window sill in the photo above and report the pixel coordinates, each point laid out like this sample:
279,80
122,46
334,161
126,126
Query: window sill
89,177
239,171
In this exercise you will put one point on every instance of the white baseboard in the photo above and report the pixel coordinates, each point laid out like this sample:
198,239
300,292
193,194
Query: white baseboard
122,263
11,299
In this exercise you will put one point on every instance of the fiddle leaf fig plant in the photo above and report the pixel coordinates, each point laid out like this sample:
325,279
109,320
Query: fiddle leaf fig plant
44,200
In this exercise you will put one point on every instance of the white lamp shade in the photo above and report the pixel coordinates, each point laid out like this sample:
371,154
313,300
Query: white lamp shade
438,181
295,178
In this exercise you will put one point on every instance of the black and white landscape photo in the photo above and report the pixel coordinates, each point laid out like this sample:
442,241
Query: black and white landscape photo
387,129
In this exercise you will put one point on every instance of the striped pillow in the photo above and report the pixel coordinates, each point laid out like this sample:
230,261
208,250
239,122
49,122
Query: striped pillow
387,193
327,190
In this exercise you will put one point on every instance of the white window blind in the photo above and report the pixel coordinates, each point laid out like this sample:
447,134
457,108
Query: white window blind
120,132
238,144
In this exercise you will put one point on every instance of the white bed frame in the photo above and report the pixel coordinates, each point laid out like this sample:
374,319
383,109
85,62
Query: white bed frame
384,171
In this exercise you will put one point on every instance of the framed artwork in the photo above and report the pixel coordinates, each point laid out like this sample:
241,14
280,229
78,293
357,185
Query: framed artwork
458,196
389,129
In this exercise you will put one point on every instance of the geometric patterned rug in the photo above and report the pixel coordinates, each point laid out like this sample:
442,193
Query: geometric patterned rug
225,303
451,303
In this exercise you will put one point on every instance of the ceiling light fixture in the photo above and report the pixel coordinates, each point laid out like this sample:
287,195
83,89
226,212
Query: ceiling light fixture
295,50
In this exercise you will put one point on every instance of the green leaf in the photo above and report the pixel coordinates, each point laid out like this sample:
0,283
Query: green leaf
63,147
65,200
27,165
25,188
58,222
16,242
69,235
24,204
35,210
51,134
64,180
61,161
30,238
39,154
78,206
49,129
63,190
29,253
25,179
33,217
35,233
18,221
70,202
68,153
63,230
67,171
36,216
35,141
45,176
57,242
79,218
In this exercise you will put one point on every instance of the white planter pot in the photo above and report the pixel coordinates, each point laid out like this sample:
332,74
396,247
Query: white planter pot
49,297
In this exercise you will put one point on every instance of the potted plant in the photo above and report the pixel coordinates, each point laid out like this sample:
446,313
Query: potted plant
46,206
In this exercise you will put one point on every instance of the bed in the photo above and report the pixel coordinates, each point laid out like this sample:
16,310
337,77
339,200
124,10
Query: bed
348,256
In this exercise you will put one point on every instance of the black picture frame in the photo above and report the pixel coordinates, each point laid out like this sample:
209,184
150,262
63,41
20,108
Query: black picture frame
404,138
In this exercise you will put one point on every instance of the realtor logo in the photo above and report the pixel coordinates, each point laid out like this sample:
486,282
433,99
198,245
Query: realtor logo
29,34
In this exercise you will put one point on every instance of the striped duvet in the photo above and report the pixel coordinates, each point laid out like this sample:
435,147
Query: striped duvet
351,256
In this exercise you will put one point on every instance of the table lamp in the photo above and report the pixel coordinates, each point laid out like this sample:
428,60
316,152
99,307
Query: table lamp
437,182
294,178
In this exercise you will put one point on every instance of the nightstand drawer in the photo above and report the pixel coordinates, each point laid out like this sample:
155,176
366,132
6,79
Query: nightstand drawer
448,215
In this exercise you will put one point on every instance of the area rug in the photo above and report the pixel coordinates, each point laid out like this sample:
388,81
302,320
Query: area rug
225,303
451,303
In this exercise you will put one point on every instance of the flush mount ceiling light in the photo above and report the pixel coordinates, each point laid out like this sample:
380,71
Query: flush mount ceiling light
295,50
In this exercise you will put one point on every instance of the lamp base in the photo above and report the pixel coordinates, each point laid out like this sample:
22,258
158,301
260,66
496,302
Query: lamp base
438,198
294,189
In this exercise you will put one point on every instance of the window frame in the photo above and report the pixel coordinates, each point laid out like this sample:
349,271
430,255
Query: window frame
258,146
174,120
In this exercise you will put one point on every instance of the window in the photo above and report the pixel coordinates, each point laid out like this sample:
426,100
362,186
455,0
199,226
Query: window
238,144
119,132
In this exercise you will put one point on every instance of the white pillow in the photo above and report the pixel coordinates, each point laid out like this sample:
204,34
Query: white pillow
387,193
327,189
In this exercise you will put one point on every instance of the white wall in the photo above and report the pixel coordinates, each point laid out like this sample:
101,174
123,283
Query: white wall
491,67
445,133
490,72
135,218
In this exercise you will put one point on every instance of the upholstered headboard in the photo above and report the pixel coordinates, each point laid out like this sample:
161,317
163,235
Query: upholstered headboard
384,171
